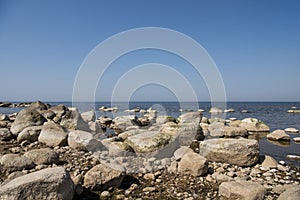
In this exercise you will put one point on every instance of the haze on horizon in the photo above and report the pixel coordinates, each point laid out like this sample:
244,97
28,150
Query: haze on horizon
255,45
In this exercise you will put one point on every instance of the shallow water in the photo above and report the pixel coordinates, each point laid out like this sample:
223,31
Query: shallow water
274,114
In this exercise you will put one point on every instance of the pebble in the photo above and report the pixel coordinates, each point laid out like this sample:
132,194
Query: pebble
149,189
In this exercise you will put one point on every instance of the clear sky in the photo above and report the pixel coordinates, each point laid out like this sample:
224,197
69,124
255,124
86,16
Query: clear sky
255,45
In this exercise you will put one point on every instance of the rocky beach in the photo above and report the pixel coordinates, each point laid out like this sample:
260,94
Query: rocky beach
56,152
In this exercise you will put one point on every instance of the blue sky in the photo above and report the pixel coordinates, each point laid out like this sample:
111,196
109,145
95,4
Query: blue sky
255,45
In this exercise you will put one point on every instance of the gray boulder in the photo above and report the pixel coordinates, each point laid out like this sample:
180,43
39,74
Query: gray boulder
42,156
101,177
278,135
30,134
89,116
80,139
15,162
122,122
148,141
164,119
25,118
72,120
241,152
193,163
53,135
245,190
51,183
5,134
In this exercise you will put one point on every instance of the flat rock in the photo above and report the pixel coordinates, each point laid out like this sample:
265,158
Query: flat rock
25,118
16,162
278,135
30,134
290,194
101,177
296,139
148,141
245,190
291,130
53,135
42,156
193,163
241,152
254,125
51,183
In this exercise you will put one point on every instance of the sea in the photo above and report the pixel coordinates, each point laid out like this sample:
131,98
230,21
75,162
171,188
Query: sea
274,114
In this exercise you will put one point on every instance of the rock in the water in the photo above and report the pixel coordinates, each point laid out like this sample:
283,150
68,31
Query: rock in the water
80,139
291,130
89,116
297,139
101,177
51,183
215,110
42,156
241,152
254,125
16,162
269,162
72,120
278,135
148,141
245,190
5,134
218,130
53,135
25,118
30,134
193,163
122,122
290,194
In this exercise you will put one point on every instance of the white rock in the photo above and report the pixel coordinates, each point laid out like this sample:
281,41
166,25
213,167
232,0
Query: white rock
291,130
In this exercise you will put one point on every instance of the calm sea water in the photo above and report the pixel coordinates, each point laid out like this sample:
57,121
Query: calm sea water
274,114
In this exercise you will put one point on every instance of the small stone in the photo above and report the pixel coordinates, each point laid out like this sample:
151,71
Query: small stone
105,194
149,176
149,189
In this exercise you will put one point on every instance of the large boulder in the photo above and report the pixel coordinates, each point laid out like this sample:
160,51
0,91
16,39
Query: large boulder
39,106
269,162
30,134
245,190
25,118
189,128
51,183
42,156
53,135
254,125
72,120
292,193
89,116
101,177
15,162
80,139
148,141
193,163
122,122
162,119
59,110
241,152
278,135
